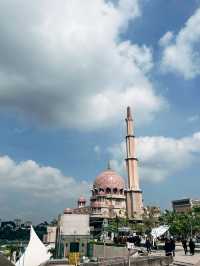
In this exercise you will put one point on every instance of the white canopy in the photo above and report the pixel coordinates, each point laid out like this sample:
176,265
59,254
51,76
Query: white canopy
159,231
35,253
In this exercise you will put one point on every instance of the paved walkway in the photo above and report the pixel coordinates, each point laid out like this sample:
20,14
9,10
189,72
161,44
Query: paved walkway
4,261
182,259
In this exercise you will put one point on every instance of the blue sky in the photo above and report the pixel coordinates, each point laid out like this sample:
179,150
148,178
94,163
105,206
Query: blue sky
65,81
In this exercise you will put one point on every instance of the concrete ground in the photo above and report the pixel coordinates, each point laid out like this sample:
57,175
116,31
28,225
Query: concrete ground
4,261
181,259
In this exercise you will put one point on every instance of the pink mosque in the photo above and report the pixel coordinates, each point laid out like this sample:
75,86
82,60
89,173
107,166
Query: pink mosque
110,197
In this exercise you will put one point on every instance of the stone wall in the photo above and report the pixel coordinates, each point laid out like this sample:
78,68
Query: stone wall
110,251
135,261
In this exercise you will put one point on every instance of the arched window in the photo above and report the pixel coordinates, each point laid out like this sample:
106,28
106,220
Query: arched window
108,190
101,190
121,191
115,190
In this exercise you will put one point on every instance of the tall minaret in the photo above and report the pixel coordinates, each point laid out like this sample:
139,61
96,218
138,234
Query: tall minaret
133,194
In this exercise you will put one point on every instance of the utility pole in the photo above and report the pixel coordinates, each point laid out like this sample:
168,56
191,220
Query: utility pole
191,224
129,259
105,225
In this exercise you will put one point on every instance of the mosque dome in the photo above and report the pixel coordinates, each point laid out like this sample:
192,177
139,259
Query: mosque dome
109,182
82,199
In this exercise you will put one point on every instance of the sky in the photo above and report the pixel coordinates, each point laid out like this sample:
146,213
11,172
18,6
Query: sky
68,70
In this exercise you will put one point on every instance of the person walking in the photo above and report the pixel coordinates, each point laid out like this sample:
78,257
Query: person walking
192,246
148,245
167,247
184,244
173,245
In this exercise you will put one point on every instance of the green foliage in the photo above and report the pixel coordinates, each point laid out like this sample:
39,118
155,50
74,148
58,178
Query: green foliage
116,223
182,224
20,234
10,249
53,252
143,228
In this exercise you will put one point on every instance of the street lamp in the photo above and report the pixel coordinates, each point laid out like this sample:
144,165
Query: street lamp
75,235
105,225
191,224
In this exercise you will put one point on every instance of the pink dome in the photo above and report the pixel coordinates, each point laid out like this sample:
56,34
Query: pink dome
109,179
81,199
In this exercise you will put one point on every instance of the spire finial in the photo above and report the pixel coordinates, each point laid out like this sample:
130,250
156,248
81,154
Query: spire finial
129,116
109,165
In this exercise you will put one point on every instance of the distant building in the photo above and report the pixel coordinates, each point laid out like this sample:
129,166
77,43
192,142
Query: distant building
81,207
185,205
18,222
152,211
73,232
27,224
50,237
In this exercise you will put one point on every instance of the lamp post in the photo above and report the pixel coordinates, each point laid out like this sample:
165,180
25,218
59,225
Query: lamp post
74,235
74,244
129,259
129,246
105,225
117,220
191,224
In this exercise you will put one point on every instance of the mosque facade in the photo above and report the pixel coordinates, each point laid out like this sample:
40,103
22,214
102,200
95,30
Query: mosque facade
108,198
113,196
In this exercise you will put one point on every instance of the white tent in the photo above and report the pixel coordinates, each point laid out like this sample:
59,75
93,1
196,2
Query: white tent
159,231
35,253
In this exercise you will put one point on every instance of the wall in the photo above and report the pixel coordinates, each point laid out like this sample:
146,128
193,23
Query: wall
51,234
110,251
75,224
139,261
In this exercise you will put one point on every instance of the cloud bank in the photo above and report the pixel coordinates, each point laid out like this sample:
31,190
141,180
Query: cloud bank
181,51
30,190
160,157
63,63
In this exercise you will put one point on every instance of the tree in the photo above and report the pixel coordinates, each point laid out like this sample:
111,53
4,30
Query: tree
182,224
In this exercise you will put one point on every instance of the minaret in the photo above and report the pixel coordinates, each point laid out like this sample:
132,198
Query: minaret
134,202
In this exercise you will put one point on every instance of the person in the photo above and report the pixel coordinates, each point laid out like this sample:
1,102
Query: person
192,246
148,245
173,245
184,244
155,244
167,247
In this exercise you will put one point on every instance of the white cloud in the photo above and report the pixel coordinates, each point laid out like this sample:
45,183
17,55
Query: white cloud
60,66
37,186
193,118
97,149
181,52
166,39
160,157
